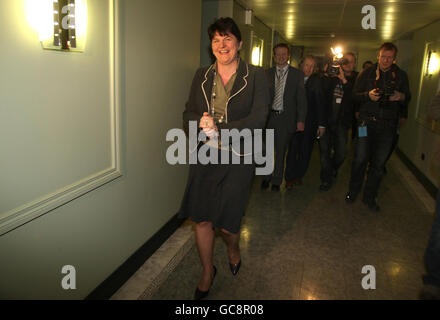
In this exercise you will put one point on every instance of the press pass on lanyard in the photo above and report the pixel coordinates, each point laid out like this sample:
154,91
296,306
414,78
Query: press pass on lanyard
362,130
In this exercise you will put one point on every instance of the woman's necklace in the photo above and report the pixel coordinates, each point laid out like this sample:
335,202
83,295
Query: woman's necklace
213,95
214,89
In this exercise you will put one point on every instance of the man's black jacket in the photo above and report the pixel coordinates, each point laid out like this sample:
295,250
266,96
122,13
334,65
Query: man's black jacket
371,78
347,107
316,106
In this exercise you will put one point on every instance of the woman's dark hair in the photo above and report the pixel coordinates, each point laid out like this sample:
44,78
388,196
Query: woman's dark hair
224,26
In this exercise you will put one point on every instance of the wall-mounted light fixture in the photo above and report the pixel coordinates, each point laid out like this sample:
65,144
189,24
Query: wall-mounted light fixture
257,51
256,55
61,24
432,63
248,17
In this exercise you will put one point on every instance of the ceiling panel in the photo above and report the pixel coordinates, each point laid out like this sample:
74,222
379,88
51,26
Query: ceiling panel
318,23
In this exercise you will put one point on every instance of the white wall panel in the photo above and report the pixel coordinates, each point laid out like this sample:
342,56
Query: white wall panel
96,232
57,128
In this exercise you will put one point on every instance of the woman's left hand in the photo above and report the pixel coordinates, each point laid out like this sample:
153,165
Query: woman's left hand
211,133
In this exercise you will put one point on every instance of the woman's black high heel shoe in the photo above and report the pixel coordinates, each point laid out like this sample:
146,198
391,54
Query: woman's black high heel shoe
235,267
199,294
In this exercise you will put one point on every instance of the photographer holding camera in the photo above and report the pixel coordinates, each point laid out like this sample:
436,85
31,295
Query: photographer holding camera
338,84
382,94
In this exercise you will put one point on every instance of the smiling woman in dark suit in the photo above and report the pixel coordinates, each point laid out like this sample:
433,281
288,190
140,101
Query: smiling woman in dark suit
230,94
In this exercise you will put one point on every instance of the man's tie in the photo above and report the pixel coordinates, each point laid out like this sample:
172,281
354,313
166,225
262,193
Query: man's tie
278,100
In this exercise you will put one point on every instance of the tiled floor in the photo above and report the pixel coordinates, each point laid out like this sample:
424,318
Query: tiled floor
307,244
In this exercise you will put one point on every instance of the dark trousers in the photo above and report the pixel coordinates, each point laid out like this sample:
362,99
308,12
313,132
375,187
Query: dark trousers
334,139
300,151
375,147
432,254
354,127
282,136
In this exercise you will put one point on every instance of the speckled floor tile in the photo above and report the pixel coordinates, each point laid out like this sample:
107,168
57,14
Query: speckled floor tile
307,244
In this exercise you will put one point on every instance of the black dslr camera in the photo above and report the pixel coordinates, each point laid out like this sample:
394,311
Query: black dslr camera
387,91
334,70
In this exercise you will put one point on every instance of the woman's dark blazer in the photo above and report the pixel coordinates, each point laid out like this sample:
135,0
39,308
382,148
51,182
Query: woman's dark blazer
223,189
248,105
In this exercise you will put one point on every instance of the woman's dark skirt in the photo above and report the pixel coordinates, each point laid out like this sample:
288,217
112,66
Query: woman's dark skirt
217,193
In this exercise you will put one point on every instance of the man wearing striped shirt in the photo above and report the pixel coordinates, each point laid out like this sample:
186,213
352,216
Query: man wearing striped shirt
288,109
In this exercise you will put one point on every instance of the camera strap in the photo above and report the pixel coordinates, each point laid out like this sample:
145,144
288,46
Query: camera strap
393,75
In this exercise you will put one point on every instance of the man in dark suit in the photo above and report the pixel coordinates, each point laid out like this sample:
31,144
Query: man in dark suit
288,109
340,113
301,144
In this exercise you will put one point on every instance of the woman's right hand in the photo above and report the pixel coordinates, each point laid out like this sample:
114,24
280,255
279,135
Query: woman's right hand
206,121
208,125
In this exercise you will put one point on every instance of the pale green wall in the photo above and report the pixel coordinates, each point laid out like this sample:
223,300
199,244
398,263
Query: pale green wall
264,32
225,8
210,10
97,232
239,18
47,110
415,139
259,29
